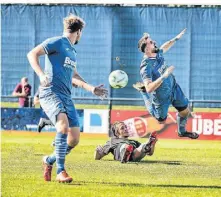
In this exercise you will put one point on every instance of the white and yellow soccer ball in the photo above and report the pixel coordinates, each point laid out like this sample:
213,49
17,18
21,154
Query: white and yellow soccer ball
118,79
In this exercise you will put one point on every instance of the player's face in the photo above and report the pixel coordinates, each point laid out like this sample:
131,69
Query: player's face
150,48
78,36
123,130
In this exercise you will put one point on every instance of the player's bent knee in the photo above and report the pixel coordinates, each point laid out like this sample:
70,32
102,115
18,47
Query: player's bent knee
180,109
74,142
161,120
184,112
62,127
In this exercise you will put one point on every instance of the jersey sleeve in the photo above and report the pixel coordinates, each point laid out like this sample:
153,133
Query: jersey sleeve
160,53
51,45
146,71
107,147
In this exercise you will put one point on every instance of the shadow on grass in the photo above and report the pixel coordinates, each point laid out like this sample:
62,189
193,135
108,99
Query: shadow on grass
39,154
163,162
153,162
148,185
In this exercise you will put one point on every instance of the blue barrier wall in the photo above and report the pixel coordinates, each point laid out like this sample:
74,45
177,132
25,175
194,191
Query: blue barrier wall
26,119
113,32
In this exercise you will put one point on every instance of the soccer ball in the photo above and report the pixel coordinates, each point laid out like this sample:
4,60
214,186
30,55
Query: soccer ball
118,79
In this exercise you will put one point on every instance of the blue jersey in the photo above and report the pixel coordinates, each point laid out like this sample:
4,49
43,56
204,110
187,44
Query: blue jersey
151,69
60,62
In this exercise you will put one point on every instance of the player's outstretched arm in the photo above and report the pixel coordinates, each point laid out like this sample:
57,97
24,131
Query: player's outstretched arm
33,58
99,91
167,45
99,153
77,76
152,86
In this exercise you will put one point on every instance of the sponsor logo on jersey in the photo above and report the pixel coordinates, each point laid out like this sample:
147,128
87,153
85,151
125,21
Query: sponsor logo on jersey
68,63
162,69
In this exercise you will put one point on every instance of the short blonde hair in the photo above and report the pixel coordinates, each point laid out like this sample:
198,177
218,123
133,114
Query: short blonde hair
73,23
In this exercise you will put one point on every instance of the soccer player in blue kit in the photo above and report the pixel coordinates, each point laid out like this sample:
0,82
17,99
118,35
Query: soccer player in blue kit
56,82
159,88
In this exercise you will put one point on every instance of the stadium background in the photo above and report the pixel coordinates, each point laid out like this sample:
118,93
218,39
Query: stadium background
109,42
113,31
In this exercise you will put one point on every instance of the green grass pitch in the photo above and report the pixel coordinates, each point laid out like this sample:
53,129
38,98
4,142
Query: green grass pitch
177,168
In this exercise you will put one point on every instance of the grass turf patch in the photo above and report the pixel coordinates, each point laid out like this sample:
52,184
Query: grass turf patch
178,168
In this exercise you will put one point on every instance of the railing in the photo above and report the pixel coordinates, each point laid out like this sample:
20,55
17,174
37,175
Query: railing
192,102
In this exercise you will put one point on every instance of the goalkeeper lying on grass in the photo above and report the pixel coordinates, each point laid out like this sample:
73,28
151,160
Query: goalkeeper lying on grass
122,148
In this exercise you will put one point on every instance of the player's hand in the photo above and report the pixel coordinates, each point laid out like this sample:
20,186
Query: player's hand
44,80
168,71
99,152
100,91
180,34
100,149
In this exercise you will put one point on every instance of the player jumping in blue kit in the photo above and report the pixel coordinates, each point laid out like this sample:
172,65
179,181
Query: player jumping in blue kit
56,81
159,88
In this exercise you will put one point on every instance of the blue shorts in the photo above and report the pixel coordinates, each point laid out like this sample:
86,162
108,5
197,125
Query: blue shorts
160,111
53,104
179,99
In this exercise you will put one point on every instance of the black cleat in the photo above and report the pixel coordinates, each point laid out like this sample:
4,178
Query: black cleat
139,86
191,135
41,125
53,143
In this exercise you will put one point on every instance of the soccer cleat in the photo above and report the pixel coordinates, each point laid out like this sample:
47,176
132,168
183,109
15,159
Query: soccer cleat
47,169
41,125
139,86
125,153
191,135
63,177
150,146
53,143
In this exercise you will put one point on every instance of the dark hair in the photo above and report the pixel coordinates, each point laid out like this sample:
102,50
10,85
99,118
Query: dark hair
73,23
142,42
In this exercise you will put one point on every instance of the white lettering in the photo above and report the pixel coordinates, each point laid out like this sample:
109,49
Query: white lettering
162,69
68,63
67,60
198,128
207,127
217,127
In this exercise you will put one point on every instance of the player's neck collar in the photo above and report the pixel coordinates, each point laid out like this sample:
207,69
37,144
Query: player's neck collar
68,40
145,56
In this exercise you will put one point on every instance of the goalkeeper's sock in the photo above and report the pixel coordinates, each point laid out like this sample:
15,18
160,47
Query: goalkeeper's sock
181,123
60,150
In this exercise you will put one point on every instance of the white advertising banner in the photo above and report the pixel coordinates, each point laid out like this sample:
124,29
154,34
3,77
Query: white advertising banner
96,121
